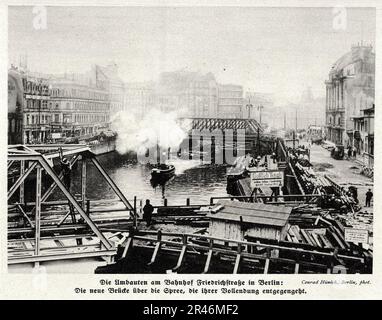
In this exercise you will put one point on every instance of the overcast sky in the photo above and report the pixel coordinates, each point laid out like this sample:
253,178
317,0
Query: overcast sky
280,51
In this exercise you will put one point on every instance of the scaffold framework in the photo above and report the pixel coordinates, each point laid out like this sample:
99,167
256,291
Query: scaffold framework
28,243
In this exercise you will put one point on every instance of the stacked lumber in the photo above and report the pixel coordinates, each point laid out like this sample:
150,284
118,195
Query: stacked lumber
309,177
315,237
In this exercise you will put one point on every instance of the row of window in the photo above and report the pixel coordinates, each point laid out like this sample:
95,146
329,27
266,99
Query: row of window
30,119
89,118
31,87
80,105
229,101
335,96
79,93
231,94
36,104
91,106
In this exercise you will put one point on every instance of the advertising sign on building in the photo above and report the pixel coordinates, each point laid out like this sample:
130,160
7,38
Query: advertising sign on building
266,178
56,135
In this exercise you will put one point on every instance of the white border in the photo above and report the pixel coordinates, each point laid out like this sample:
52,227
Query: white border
22,286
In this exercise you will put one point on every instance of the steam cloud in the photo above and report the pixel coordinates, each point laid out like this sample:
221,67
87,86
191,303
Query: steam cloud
139,135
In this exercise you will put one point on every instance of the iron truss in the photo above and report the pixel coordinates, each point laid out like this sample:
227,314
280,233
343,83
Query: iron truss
37,163
249,125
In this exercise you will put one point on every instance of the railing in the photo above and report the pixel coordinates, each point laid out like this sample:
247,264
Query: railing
293,198
237,248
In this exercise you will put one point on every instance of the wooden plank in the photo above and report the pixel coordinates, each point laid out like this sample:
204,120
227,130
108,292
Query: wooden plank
316,239
237,263
296,231
180,259
155,253
325,241
129,243
208,261
306,237
266,267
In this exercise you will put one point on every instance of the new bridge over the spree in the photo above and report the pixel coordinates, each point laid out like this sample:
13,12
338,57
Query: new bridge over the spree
249,125
251,129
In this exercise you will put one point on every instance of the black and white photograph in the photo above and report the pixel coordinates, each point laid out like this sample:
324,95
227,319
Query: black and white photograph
190,139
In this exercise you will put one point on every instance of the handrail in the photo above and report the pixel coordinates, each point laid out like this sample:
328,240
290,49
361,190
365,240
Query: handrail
268,197
240,242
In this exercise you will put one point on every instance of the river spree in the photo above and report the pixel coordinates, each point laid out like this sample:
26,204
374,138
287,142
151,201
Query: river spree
191,180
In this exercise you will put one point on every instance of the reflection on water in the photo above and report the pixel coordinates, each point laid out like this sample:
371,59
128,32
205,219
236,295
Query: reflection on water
191,180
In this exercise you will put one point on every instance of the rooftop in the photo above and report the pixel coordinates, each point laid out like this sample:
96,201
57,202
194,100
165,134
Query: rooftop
253,213
358,52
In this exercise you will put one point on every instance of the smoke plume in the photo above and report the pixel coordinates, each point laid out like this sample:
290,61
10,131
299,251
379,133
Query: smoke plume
156,127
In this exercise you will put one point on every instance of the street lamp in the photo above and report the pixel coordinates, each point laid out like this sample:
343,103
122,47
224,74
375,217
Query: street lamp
259,108
249,106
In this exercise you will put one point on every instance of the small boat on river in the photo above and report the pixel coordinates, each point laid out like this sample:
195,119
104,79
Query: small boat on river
162,170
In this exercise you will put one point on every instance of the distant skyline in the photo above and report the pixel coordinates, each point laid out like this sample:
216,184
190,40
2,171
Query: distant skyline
273,50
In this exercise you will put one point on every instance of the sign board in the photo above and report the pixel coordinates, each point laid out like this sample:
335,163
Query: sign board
266,178
56,135
356,235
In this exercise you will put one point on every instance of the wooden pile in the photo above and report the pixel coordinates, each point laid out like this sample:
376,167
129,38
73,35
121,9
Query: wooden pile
320,237
309,177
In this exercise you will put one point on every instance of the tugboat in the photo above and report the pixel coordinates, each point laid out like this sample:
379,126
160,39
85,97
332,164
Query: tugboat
162,170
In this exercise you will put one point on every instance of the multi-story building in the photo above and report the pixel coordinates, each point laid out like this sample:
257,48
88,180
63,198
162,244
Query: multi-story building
36,112
139,98
230,101
364,135
15,107
189,94
107,77
349,91
79,106
29,116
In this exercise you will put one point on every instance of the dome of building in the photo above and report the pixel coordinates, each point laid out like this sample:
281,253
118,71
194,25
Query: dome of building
355,54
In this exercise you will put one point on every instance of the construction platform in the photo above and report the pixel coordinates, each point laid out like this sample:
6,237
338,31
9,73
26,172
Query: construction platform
31,237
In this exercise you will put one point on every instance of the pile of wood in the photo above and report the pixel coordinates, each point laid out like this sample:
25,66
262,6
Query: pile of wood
309,178
319,237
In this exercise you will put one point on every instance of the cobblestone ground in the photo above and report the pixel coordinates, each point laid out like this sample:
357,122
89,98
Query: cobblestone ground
343,172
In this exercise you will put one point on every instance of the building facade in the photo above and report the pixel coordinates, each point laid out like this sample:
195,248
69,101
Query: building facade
189,94
79,106
15,107
28,110
364,135
230,101
107,77
36,114
349,91
139,98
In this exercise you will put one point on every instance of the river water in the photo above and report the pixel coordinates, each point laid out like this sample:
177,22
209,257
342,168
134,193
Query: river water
191,180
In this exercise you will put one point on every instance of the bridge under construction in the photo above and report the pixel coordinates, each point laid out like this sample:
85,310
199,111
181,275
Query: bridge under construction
311,239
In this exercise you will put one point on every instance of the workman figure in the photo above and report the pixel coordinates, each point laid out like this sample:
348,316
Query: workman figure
148,212
66,169
349,152
369,196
